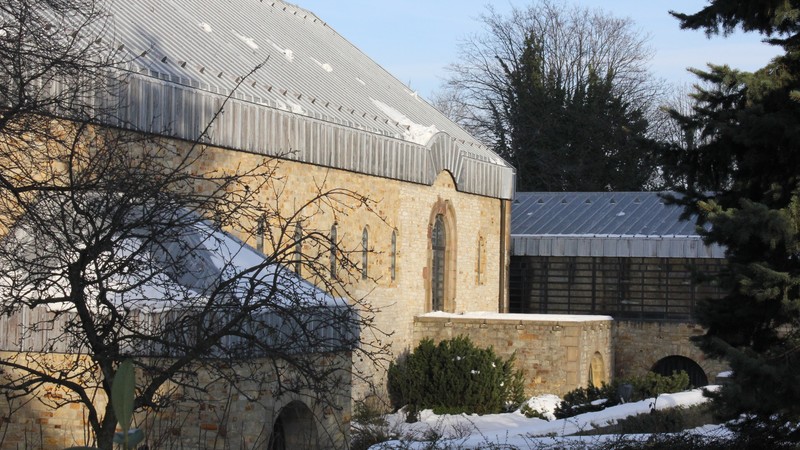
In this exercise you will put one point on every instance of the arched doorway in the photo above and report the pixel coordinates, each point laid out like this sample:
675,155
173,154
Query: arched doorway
676,363
293,429
597,370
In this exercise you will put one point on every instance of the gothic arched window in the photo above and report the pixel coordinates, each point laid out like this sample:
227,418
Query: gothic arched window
260,230
438,247
298,248
393,256
334,261
364,253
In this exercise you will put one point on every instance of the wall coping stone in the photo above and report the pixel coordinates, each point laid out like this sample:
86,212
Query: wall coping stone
508,318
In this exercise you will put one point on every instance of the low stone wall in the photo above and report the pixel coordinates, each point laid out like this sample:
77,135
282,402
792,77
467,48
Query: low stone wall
221,417
640,345
556,353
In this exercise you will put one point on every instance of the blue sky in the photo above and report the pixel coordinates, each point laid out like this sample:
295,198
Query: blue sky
415,39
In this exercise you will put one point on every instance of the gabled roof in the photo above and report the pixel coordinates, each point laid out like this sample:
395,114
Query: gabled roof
161,274
603,224
316,94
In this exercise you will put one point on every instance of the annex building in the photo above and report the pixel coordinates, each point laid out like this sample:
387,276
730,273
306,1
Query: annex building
590,274
267,79
627,255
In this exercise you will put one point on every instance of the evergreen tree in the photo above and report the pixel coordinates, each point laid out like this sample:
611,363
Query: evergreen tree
561,92
531,110
588,138
749,155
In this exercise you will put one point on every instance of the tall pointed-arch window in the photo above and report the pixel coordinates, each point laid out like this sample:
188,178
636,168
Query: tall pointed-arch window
480,268
333,261
298,248
438,247
364,253
393,256
260,230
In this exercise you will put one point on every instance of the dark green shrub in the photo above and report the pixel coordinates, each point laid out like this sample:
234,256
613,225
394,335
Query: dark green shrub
583,400
653,384
678,441
590,399
774,432
672,420
454,377
531,413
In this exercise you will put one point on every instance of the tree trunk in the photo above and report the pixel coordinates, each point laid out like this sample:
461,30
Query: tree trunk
105,434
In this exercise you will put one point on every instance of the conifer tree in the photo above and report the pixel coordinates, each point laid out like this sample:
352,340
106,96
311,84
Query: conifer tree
561,92
587,138
749,156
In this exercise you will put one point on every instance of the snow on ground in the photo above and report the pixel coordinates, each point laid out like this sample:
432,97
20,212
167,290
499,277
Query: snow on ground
516,430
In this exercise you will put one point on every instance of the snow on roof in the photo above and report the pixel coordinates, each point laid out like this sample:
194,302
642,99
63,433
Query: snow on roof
413,132
164,262
208,255
189,57
175,267
604,224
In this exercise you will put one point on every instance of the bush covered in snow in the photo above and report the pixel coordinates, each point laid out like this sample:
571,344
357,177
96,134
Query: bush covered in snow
583,400
454,377
592,398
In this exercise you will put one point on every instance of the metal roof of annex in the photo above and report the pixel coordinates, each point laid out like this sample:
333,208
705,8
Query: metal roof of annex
615,224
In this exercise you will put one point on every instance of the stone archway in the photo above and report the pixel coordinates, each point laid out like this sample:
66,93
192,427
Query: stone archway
597,370
294,428
676,363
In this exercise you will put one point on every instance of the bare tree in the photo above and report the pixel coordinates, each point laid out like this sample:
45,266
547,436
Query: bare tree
112,241
531,82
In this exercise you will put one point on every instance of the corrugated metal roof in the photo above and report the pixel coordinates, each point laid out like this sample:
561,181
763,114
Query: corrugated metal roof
187,53
603,224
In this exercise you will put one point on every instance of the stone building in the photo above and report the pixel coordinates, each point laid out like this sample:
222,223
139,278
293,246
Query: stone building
627,255
269,79
333,116
253,80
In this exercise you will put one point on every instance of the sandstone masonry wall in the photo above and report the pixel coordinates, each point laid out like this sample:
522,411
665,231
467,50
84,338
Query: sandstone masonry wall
223,417
406,209
555,355
639,345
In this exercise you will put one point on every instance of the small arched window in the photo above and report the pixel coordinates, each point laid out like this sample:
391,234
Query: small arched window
364,253
480,241
332,243
260,229
298,248
481,261
393,256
